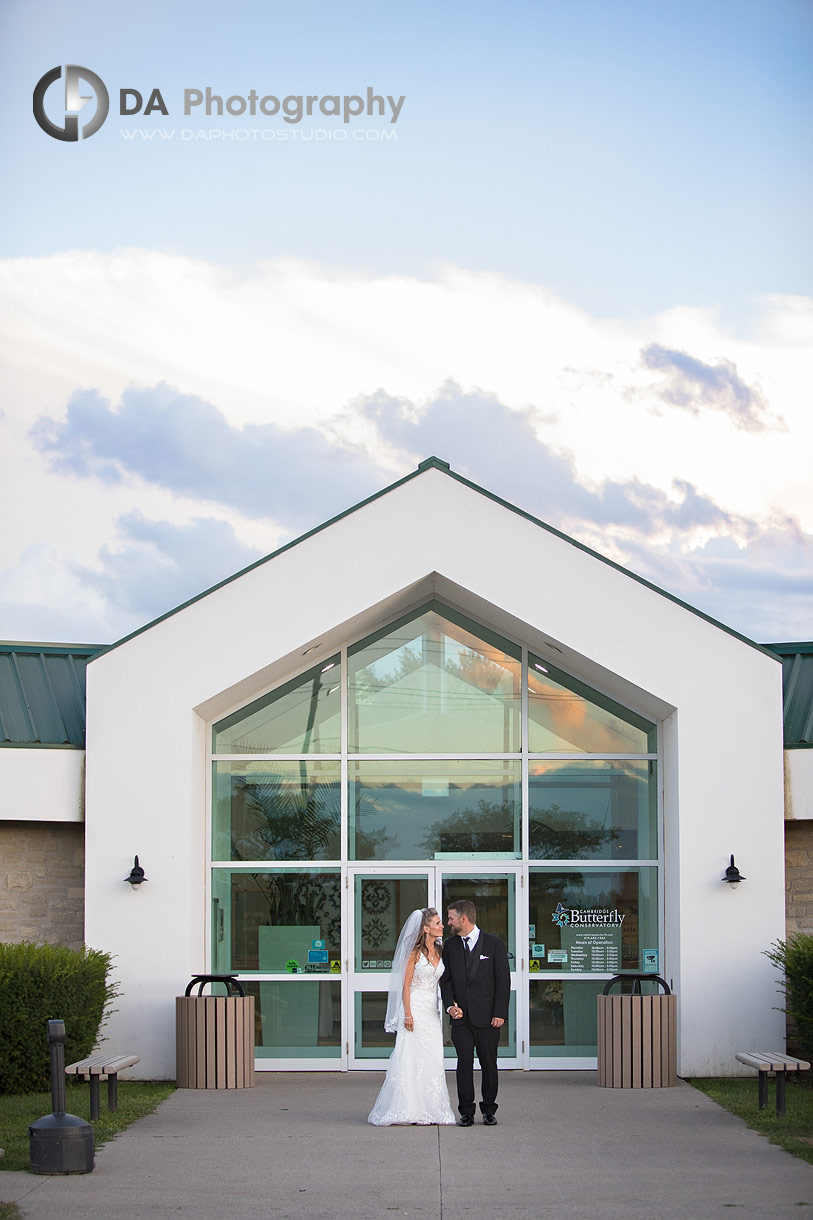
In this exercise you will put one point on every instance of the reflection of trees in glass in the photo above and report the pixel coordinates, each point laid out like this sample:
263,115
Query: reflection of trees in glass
488,829
546,890
372,679
292,821
296,718
555,834
302,900
373,844
566,834
282,819
469,665
478,670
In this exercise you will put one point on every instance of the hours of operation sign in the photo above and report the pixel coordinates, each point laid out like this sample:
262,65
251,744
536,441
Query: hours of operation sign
593,950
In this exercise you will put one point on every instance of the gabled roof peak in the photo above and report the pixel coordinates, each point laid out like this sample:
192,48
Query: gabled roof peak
436,463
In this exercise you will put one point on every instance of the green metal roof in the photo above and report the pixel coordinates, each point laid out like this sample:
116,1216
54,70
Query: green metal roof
797,685
42,694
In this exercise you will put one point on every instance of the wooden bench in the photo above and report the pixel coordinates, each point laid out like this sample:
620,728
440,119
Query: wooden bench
96,1066
772,1061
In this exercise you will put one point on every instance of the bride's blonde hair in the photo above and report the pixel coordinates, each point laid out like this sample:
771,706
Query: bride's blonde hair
420,944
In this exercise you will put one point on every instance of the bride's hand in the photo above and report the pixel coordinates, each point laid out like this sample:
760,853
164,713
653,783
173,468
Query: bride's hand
408,1024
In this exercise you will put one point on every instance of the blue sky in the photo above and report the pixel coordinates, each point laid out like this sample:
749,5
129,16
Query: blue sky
626,155
577,267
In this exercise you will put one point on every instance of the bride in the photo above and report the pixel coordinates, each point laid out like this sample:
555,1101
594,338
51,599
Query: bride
414,1090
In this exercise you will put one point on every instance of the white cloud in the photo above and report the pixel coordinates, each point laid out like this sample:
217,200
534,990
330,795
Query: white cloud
148,568
182,443
692,385
549,406
292,343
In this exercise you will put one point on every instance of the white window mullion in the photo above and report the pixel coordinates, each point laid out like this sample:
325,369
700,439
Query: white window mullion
346,946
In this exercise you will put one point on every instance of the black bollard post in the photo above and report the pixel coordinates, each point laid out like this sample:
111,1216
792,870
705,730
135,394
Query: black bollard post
56,1039
60,1142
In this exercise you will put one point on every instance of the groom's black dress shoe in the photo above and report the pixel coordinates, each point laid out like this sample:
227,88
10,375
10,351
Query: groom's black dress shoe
466,1120
490,1120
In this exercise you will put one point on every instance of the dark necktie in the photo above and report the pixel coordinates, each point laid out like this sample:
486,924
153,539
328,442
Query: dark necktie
468,954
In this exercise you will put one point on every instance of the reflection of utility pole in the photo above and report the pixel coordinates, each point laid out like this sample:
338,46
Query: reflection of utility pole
303,767
433,667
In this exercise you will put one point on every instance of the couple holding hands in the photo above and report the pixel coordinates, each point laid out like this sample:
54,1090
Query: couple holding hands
467,977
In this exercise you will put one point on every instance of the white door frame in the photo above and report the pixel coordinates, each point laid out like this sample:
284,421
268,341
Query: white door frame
357,980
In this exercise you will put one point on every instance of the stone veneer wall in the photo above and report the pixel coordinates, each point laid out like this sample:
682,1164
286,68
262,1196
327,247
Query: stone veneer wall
42,882
799,876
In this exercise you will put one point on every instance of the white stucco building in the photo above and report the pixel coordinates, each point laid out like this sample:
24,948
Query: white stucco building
437,696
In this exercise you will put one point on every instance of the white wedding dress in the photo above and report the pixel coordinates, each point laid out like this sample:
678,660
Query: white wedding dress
415,1088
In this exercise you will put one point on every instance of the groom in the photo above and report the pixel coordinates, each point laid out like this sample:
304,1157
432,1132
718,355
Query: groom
475,987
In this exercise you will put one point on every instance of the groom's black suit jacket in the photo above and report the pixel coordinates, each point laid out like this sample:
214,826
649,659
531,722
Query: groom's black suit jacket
484,992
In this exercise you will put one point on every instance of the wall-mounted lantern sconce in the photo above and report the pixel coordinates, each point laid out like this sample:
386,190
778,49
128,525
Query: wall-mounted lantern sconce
732,874
137,874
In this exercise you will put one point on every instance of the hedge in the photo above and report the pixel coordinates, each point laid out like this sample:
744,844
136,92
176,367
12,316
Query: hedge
39,983
794,957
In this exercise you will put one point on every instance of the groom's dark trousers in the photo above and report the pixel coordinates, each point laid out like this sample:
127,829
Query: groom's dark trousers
480,986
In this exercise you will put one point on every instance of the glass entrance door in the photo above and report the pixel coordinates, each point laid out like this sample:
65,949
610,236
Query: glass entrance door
380,901
495,896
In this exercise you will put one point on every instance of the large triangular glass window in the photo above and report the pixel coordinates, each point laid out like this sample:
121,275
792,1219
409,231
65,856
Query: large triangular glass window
566,716
301,717
434,683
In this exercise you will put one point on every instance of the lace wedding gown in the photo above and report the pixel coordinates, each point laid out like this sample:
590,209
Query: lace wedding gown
415,1088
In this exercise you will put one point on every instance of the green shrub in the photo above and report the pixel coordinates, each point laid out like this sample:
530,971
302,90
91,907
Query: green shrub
794,957
41,983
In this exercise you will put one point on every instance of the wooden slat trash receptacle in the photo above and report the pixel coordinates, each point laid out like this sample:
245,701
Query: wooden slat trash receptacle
637,1036
214,1036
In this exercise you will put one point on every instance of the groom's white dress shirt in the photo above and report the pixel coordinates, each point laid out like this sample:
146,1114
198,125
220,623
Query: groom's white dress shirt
472,938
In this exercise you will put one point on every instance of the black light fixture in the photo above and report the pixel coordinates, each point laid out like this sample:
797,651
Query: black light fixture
732,874
137,874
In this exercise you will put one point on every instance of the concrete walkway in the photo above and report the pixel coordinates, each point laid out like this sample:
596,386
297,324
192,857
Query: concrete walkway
298,1145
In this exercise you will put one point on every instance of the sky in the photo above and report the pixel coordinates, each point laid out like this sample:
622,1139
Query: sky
564,247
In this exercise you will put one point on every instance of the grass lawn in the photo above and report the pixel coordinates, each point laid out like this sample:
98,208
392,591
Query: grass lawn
794,1132
17,1111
